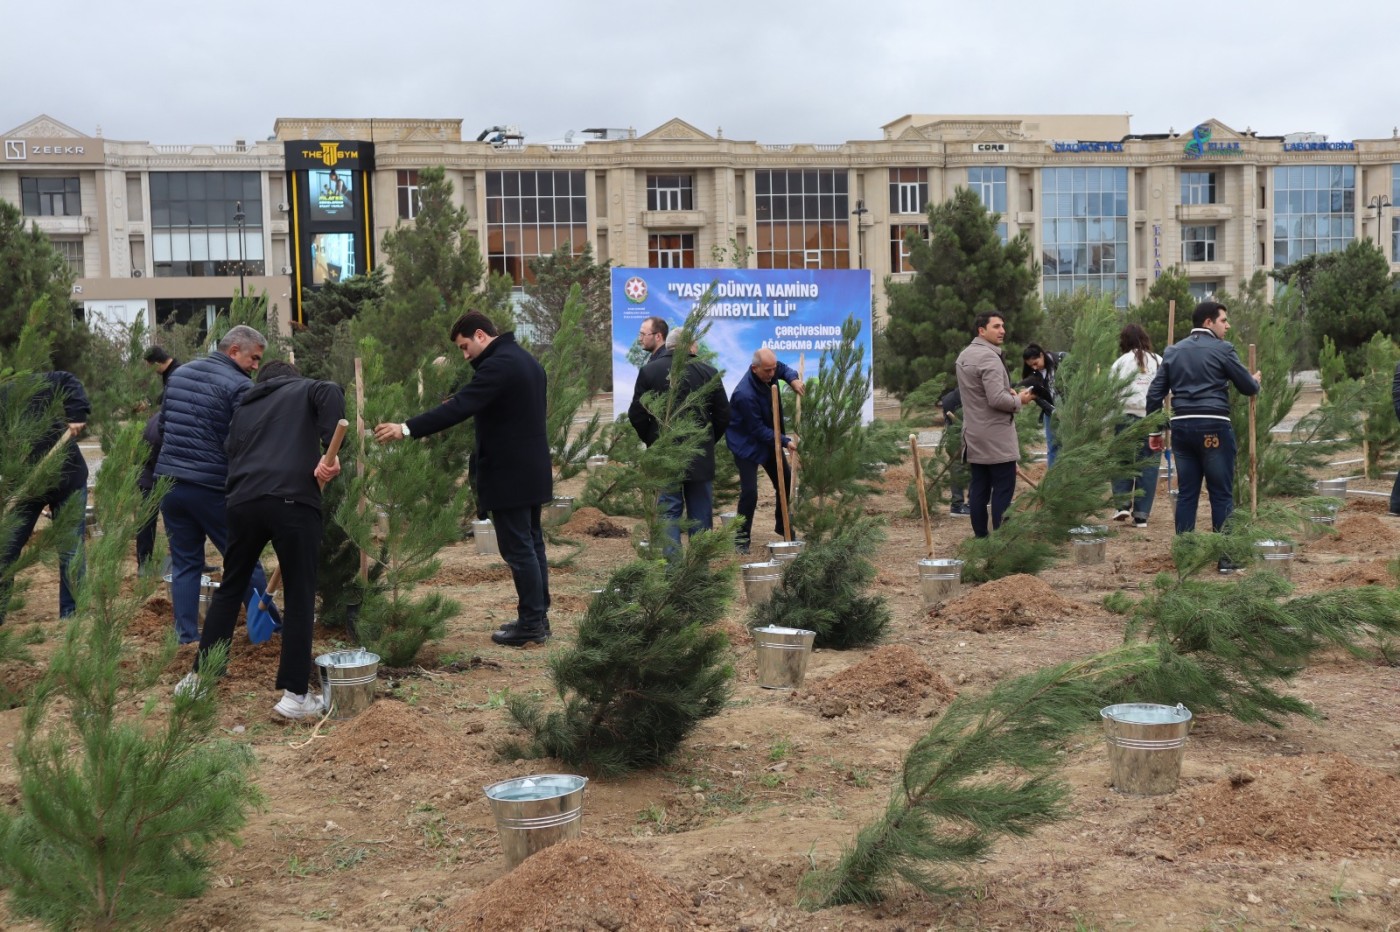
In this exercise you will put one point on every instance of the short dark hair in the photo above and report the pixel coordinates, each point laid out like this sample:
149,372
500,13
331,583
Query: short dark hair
658,326
985,318
277,369
156,354
468,324
1031,351
1206,310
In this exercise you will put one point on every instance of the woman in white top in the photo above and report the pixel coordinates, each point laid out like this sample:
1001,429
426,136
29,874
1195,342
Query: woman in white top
1134,496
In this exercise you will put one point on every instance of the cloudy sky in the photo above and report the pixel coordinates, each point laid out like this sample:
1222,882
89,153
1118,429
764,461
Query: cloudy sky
818,71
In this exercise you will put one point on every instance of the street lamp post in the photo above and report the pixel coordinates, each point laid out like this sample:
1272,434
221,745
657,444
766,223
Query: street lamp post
860,211
238,218
1379,203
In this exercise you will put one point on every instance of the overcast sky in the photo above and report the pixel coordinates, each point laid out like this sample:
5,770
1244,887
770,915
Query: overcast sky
818,71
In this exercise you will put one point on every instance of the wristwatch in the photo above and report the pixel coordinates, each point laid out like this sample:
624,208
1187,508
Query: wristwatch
404,427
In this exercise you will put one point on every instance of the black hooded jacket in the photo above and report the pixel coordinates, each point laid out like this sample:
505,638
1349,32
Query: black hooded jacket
277,436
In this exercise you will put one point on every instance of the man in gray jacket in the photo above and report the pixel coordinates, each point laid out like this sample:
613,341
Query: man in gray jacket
989,407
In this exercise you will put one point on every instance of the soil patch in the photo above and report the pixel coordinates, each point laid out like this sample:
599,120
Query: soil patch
389,733
580,884
1018,601
1361,533
892,679
593,523
155,619
1156,563
1371,573
1292,805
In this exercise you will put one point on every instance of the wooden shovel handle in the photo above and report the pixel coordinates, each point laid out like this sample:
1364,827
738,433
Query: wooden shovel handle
274,582
778,463
334,449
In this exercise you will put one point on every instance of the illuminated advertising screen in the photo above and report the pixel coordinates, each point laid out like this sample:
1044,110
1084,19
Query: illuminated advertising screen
332,257
331,193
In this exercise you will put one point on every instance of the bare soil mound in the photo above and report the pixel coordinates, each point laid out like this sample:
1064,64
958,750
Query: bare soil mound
471,575
580,884
1361,533
1156,563
1368,504
1291,805
892,679
1018,601
388,732
153,621
1370,573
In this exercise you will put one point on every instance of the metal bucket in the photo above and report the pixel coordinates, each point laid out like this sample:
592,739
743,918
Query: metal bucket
784,550
782,655
348,681
533,813
760,579
484,533
207,588
1146,743
558,511
1276,554
727,518
939,579
1320,526
597,462
1332,488
1090,543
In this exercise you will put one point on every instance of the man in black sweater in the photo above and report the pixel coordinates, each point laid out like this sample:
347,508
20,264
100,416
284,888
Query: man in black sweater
514,473
275,474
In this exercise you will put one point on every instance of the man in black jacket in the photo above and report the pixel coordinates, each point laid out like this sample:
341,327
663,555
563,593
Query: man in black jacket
72,483
275,474
1198,371
514,473
696,492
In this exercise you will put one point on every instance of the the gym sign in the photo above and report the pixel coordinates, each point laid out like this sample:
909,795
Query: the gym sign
53,150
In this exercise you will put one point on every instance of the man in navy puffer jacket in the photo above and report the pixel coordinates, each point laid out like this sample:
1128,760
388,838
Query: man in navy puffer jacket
200,399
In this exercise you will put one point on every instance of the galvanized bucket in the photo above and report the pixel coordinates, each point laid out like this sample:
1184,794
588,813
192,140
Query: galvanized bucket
1276,554
533,813
1146,743
939,579
783,550
348,681
1332,488
559,510
597,462
782,655
484,533
1090,543
727,518
207,588
760,579
1320,526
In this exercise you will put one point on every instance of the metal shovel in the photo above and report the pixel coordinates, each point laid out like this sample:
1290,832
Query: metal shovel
261,621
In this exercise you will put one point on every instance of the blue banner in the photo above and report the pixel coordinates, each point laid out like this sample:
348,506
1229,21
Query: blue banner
796,314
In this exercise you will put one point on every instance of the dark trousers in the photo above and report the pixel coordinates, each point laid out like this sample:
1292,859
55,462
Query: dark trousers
294,530
1204,450
146,536
521,542
70,558
1395,496
193,513
1137,494
990,482
698,500
748,492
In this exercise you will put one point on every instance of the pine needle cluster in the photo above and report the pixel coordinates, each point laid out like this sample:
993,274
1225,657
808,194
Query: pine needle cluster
824,590
983,772
119,805
649,664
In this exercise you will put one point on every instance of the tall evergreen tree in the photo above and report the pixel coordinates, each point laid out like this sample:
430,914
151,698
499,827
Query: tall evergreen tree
1151,314
1348,296
324,346
31,270
548,291
568,390
962,270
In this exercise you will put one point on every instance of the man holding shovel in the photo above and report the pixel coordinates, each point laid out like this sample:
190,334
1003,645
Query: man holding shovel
750,436
275,475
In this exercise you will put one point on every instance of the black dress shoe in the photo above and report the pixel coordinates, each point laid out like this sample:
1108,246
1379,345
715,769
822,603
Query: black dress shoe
1228,566
521,637
514,625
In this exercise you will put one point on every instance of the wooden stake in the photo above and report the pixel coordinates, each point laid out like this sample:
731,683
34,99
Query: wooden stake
360,438
923,495
1253,448
1167,402
779,468
797,428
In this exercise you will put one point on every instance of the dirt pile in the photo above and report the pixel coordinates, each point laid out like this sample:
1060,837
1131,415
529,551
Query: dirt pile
892,679
580,884
593,523
1293,805
1018,601
388,735
492,572
1370,573
1360,533
154,619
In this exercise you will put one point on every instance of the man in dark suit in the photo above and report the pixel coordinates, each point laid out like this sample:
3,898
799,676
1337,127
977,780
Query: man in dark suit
696,492
514,473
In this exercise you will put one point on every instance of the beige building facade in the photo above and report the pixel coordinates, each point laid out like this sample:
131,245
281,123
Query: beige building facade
158,231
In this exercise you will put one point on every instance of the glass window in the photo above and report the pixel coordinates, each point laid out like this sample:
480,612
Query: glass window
531,213
1085,243
1314,210
908,190
899,245
809,213
408,194
206,224
50,196
671,251
1198,187
72,252
1198,244
670,192
990,185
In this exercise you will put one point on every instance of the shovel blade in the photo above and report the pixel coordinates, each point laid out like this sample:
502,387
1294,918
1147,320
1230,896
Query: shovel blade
261,624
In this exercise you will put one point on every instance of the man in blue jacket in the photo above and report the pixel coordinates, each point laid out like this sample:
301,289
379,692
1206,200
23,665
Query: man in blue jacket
750,435
200,400
1198,371
514,472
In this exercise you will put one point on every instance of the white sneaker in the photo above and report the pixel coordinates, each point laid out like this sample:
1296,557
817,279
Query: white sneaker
309,705
1122,515
189,686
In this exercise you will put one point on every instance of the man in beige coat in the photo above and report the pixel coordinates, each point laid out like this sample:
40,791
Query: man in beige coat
990,448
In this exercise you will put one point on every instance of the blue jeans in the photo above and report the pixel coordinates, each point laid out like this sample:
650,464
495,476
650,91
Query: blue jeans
70,558
698,500
1052,447
1205,450
521,541
1137,494
194,513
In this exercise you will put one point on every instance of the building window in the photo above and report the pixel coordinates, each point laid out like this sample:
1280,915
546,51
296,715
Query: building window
670,192
1198,188
1198,244
531,214
1314,210
899,246
194,229
1084,216
989,184
1395,213
72,252
50,196
408,194
803,219
1200,291
671,251
908,190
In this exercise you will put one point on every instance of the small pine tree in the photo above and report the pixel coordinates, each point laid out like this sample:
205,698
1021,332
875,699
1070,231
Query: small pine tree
1171,285
824,590
612,489
118,809
324,345
648,666
554,281
567,390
